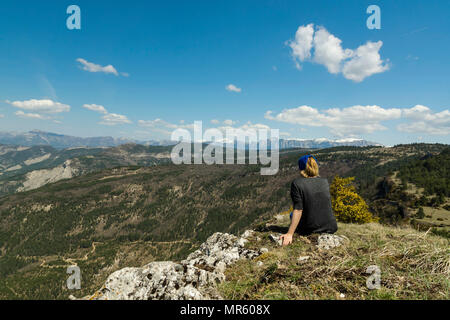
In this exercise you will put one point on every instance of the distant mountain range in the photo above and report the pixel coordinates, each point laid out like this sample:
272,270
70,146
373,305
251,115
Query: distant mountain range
60,141
324,143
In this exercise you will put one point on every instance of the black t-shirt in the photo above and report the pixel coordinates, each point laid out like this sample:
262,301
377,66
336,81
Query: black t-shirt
312,195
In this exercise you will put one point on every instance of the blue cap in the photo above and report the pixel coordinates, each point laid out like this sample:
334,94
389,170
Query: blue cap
303,161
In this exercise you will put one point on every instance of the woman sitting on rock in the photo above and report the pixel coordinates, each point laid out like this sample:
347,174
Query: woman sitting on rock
311,202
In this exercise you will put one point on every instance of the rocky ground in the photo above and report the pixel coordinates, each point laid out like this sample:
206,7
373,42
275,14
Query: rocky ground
194,278
411,265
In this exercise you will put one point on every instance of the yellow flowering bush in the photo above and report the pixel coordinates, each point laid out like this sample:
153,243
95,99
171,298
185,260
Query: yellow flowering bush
348,206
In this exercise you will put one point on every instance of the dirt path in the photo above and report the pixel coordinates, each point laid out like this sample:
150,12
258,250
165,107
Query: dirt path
71,261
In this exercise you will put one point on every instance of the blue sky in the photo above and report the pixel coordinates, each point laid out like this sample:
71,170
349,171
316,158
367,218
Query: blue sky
140,69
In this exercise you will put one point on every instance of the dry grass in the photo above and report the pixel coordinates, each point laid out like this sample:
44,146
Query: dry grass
437,216
414,265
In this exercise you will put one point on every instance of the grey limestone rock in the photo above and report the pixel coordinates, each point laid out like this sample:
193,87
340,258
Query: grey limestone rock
195,278
329,241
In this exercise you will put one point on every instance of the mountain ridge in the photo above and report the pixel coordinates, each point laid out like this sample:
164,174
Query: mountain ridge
61,141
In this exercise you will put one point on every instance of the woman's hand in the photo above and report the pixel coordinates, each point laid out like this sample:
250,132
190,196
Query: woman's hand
286,238
296,216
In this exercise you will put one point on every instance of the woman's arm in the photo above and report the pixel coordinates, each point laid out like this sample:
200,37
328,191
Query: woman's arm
296,216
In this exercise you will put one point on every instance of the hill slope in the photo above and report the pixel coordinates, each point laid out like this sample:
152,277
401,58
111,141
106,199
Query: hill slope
130,216
413,265
409,265
28,168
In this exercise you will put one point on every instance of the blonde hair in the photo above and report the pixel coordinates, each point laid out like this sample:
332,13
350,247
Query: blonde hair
311,170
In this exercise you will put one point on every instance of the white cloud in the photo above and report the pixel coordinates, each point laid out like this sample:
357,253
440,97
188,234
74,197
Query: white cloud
108,119
302,114
229,122
423,127
357,120
41,106
418,112
301,46
96,108
411,57
157,123
93,67
255,126
240,132
44,109
112,119
233,88
245,127
366,113
163,127
328,50
22,114
423,120
353,120
365,62
2,116
355,65
166,128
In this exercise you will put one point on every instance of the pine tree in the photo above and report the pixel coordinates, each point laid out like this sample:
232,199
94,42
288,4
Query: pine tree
420,213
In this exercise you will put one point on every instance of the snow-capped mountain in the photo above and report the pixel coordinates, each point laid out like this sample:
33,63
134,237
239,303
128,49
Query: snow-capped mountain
324,143
60,141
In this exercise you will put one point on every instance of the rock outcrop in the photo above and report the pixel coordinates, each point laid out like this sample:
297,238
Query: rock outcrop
194,278
38,178
329,241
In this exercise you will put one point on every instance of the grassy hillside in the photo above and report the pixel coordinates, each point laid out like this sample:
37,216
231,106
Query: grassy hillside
414,265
